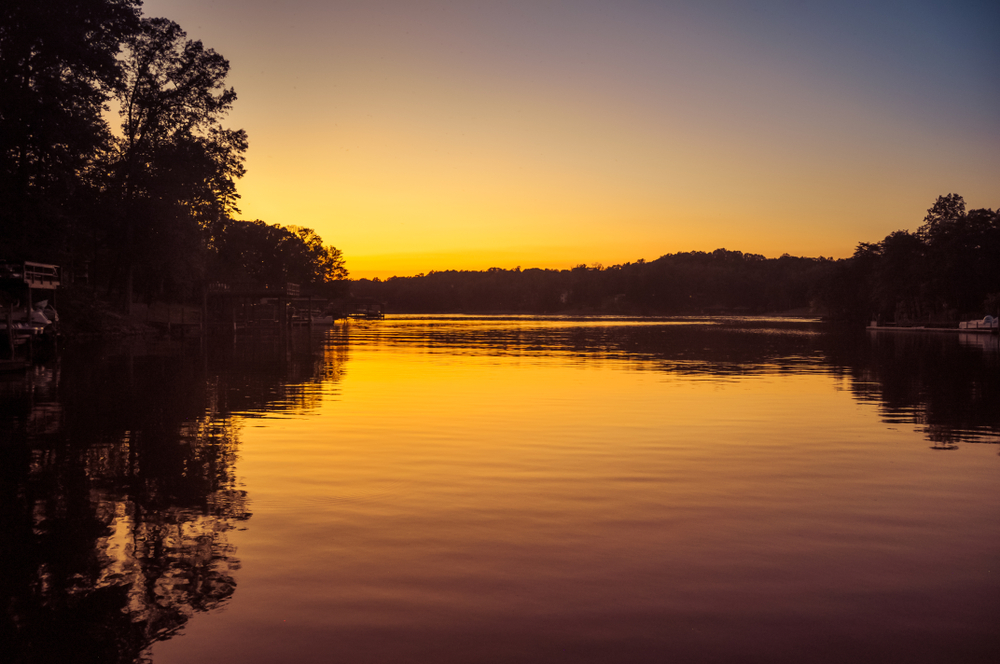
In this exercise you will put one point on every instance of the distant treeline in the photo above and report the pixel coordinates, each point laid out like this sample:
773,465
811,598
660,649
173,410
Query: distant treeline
948,269
692,282
144,208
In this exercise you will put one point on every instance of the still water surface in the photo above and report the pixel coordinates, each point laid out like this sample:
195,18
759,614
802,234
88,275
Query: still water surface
498,489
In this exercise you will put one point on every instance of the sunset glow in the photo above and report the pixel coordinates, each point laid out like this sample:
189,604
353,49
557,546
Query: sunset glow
419,136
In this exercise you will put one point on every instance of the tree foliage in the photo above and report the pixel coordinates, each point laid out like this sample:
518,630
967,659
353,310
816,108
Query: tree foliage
326,261
271,254
946,212
174,166
946,270
683,283
58,68
147,206
173,99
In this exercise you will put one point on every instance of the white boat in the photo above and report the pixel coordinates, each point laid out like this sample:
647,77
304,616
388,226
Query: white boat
988,325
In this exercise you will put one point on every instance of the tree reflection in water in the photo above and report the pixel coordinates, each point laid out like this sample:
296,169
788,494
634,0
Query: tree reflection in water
117,468
946,385
118,489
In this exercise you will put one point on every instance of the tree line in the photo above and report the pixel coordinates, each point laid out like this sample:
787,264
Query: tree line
144,205
115,163
948,269
682,283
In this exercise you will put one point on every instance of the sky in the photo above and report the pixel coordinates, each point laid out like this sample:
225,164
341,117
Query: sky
432,135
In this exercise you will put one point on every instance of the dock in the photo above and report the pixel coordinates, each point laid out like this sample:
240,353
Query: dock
987,325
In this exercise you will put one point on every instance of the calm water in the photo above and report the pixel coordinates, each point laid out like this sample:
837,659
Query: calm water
463,489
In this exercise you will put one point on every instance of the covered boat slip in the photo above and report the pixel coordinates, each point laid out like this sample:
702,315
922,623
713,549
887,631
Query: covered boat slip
259,307
27,297
20,279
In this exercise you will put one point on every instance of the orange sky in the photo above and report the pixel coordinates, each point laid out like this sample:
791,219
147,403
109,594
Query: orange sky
420,136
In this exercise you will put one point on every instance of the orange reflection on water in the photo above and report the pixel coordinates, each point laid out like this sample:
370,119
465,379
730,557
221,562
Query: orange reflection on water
443,505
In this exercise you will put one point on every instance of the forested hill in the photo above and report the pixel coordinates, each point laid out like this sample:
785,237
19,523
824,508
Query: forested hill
677,283
948,269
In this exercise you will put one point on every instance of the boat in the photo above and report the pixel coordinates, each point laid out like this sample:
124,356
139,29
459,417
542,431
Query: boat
988,325
27,323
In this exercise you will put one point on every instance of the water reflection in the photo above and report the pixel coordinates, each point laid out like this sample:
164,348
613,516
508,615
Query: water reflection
946,385
118,487
715,347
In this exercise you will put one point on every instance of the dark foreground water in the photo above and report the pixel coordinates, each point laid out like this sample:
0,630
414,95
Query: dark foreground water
519,489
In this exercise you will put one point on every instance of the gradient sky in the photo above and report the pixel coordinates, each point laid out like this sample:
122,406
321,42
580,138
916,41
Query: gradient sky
425,135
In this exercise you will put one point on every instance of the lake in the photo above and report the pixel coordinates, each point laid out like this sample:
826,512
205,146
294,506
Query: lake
506,489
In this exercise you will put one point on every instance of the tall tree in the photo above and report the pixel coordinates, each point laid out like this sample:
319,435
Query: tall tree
175,165
326,260
272,254
58,68
946,212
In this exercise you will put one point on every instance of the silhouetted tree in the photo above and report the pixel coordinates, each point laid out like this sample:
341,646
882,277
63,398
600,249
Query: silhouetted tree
944,271
326,261
175,166
898,277
945,213
58,68
271,254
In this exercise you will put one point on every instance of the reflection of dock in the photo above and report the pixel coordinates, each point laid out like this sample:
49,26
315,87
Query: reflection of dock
989,343
363,307
274,307
249,306
255,307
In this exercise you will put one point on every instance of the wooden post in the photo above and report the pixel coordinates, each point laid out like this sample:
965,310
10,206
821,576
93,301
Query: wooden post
10,330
